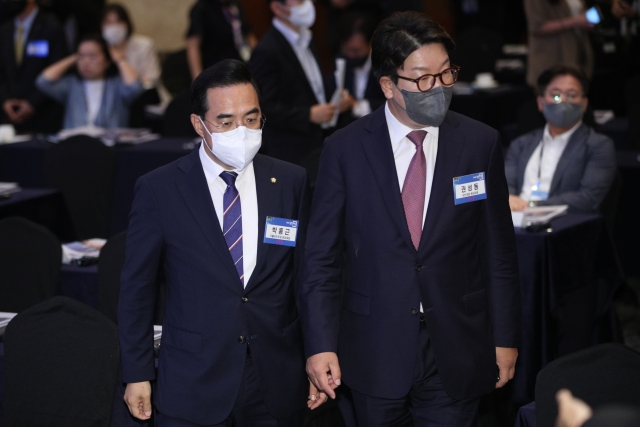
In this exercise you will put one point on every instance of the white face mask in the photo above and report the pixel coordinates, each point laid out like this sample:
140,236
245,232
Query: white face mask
235,148
114,34
303,15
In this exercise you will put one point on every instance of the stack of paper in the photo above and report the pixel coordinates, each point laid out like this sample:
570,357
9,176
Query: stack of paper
8,188
537,215
86,248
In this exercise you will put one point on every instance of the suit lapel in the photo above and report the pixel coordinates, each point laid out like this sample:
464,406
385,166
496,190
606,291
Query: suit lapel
293,60
269,199
568,156
377,148
450,144
196,194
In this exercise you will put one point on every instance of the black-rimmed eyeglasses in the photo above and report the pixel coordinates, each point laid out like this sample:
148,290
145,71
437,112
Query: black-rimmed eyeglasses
426,82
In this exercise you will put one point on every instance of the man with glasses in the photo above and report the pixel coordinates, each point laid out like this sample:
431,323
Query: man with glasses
566,162
228,226
412,202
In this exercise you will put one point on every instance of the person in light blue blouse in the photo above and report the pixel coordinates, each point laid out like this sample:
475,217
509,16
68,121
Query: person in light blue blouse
99,93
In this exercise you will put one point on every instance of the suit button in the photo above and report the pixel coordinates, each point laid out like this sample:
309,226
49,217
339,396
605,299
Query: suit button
241,339
414,311
245,299
418,267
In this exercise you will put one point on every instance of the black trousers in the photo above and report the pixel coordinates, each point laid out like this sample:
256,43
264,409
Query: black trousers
249,409
426,405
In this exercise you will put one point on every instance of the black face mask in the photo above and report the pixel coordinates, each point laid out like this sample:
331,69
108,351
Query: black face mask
355,62
9,9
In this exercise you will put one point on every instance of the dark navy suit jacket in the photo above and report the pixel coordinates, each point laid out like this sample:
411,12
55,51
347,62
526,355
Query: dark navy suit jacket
464,272
585,171
202,357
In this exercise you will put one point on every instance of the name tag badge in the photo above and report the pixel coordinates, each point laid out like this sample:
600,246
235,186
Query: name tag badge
537,193
38,48
281,231
469,188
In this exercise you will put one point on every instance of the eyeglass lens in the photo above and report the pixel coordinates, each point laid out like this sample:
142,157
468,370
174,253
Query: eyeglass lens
447,78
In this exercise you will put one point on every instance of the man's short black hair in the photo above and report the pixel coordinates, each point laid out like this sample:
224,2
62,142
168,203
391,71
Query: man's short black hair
228,72
562,70
399,36
356,23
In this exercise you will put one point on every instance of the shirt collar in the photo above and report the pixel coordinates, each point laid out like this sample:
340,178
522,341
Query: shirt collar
212,170
28,21
563,137
297,39
398,130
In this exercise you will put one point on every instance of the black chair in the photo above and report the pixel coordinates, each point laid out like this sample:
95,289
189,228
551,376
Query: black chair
599,375
175,74
137,114
609,206
30,257
112,256
83,169
632,92
62,366
176,119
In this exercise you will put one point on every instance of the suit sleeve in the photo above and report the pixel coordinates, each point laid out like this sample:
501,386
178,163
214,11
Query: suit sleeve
320,293
138,286
57,51
265,68
598,175
303,218
504,287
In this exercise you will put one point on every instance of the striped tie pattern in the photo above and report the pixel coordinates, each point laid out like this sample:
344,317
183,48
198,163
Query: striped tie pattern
414,187
232,223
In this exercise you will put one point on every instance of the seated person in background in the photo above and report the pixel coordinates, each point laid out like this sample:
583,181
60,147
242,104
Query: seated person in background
28,44
100,93
566,162
139,51
364,90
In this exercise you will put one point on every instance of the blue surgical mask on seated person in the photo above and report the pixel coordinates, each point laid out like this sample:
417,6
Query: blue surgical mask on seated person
427,108
236,147
563,114
303,15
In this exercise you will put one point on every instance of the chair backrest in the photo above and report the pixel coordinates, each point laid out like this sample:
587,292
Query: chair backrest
83,169
62,366
112,256
603,374
30,258
109,269
176,76
176,117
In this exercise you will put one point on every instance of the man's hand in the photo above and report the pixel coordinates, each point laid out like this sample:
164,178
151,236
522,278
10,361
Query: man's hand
572,412
321,113
316,398
516,203
506,361
137,396
24,110
347,102
324,372
621,9
10,107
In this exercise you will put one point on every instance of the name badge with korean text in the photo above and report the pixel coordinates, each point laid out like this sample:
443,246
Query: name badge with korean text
38,48
469,188
281,231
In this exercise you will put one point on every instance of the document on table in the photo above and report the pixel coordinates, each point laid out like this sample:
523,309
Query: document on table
537,215
8,188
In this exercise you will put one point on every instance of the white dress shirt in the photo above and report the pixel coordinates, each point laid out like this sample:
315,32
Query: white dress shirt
404,150
246,185
361,79
300,44
553,149
93,90
26,25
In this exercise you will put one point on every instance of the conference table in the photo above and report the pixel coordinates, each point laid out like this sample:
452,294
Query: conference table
22,163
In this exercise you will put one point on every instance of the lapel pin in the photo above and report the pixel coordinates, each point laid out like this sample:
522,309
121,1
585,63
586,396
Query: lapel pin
273,180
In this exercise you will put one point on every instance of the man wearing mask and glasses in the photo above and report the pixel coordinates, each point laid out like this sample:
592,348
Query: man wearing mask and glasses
412,202
286,65
228,227
566,162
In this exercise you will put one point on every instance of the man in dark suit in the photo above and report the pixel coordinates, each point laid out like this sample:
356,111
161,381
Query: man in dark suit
412,202
566,162
28,44
229,230
285,64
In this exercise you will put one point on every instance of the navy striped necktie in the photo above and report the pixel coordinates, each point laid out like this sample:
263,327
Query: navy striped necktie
232,223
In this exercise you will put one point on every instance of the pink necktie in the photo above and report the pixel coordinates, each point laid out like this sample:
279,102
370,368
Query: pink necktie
414,187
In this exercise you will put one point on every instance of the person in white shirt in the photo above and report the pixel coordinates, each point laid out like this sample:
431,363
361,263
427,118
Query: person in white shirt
566,162
139,50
